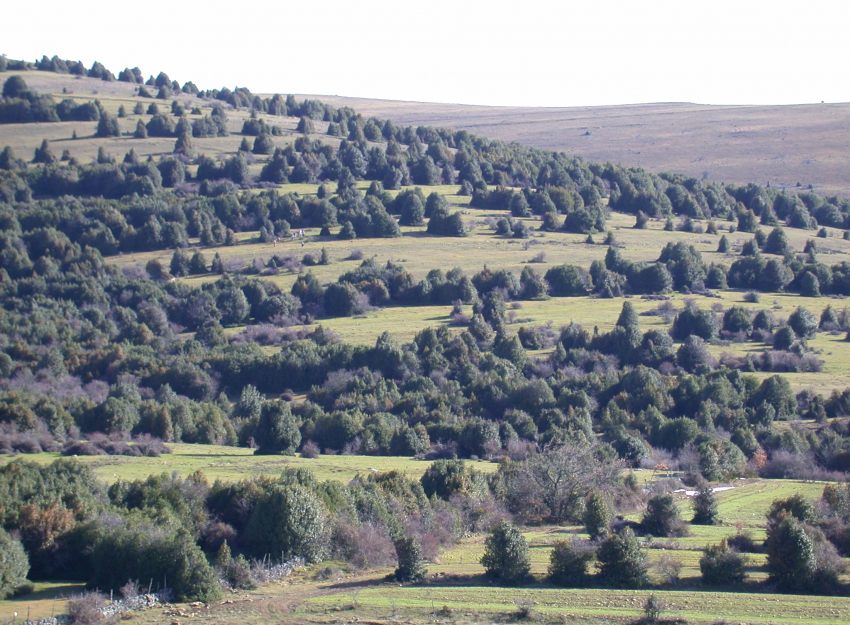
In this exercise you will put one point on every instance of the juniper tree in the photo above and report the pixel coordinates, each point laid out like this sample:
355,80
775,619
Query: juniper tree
705,506
506,554
622,563
411,564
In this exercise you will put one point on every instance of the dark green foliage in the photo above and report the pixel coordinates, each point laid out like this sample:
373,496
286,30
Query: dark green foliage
693,321
723,245
107,126
776,243
803,322
263,144
568,563
622,563
705,506
506,554
445,478
597,515
14,564
791,560
737,319
661,517
277,429
44,154
139,550
722,566
411,564
288,520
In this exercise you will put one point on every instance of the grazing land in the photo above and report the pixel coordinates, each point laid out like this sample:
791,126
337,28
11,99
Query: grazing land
780,145
112,339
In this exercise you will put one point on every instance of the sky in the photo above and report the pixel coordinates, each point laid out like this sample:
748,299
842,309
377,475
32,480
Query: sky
503,53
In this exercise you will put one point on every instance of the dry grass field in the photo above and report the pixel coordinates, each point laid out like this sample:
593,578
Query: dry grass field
780,145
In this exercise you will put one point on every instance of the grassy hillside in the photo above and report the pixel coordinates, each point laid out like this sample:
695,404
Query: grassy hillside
782,145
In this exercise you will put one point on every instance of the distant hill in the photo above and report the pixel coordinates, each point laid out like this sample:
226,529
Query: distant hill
780,145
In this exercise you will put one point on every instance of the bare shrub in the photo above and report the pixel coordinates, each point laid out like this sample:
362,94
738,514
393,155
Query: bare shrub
669,569
354,254
751,297
365,546
84,609
130,590
540,257
310,450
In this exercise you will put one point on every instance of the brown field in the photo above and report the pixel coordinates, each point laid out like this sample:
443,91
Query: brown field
780,145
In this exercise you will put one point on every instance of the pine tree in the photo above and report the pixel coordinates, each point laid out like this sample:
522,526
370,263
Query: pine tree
721,565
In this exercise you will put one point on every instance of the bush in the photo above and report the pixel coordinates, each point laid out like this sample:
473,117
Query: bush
506,554
722,566
84,609
568,563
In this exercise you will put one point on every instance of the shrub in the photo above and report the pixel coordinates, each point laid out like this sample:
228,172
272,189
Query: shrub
720,565
568,562
506,554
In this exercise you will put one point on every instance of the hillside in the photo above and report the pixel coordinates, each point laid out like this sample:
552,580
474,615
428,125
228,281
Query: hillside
780,145
238,331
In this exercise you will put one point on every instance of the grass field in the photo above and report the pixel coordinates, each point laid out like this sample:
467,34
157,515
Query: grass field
329,594
235,463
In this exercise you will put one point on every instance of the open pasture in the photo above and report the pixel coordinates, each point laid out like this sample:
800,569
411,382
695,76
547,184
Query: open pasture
235,463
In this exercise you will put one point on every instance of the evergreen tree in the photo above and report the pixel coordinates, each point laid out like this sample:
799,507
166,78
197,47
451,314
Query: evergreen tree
506,554
44,154
791,561
277,429
217,264
705,506
622,563
721,565
723,245
568,562
661,517
597,515
179,264
14,564
411,564
107,126
288,520
141,130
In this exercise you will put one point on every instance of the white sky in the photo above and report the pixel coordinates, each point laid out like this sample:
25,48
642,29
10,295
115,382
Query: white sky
524,52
